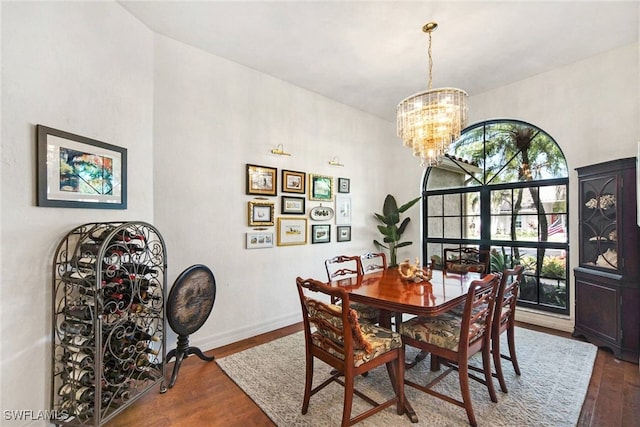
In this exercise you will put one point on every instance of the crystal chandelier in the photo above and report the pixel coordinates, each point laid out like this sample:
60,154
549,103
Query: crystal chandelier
429,121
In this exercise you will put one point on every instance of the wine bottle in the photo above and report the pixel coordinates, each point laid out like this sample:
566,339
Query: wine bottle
77,393
79,277
138,268
74,327
100,233
139,335
80,311
84,377
92,249
113,377
147,374
78,343
79,359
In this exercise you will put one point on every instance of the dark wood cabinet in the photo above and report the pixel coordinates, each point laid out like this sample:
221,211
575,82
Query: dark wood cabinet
607,280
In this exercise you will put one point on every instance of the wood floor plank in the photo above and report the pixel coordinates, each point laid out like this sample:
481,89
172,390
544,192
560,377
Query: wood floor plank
205,396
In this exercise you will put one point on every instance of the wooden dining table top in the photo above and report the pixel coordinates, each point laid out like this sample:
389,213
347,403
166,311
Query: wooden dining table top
388,291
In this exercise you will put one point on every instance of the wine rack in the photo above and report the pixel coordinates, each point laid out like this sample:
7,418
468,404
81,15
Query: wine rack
108,336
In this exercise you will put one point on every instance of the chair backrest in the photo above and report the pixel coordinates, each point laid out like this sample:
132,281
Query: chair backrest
465,259
373,261
507,298
477,316
343,266
337,330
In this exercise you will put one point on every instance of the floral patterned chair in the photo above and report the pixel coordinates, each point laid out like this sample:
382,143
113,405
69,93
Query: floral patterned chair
452,340
350,347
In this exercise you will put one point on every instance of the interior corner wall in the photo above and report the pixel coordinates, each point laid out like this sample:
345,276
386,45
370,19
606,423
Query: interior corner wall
85,68
212,117
591,109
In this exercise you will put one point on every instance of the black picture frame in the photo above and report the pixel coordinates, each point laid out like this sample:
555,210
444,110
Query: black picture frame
344,185
292,205
343,233
321,233
74,171
293,181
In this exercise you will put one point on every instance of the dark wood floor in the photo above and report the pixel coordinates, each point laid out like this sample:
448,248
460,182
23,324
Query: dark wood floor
204,396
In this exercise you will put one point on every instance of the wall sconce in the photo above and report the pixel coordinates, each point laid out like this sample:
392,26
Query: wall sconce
335,161
279,150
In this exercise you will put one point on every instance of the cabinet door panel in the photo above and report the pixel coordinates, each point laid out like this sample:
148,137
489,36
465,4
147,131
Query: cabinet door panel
597,310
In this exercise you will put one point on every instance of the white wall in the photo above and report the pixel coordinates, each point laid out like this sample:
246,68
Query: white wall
86,68
191,121
213,116
592,110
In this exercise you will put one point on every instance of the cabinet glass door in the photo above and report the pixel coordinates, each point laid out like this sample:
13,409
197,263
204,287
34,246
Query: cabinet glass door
598,226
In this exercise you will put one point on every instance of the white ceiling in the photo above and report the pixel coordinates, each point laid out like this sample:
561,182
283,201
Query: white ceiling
373,54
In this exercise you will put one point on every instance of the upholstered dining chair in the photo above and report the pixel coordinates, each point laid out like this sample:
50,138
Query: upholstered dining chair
453,340
505,320
463,260
350,347
344,267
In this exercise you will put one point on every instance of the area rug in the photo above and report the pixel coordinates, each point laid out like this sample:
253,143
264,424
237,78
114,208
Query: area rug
550,392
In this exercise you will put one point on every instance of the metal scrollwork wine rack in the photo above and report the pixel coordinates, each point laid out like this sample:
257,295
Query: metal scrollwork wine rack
108,338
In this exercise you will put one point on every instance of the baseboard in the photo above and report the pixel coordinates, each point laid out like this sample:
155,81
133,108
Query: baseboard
547,320
207,343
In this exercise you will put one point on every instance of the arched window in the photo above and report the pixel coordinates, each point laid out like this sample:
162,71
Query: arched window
503,188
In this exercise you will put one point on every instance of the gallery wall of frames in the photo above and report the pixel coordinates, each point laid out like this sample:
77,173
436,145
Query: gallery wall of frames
295,208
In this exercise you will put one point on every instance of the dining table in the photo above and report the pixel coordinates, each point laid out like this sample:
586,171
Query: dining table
391,293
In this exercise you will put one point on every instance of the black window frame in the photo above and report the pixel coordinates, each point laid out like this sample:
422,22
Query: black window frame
540,299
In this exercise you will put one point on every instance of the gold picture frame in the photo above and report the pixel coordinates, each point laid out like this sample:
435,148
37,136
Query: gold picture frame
320,188
262,180
260,213
292,231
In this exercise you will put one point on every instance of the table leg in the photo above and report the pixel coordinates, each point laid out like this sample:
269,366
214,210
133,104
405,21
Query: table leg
408,409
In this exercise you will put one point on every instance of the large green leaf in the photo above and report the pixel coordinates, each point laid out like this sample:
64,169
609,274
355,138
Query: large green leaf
403,226
375,242
407,205
385,230
390,210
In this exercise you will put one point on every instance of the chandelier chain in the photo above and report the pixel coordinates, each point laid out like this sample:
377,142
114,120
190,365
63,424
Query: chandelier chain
430,63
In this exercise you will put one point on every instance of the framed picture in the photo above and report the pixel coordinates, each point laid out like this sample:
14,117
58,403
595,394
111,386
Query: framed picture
292,205
260,213
79,172
257,240
292,231
293,182
262,180
343,233
344,185
343,209
321,233
320,187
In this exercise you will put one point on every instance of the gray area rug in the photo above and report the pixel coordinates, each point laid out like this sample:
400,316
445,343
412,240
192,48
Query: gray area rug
550,392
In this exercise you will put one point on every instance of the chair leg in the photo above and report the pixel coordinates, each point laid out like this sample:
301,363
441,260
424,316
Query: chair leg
307,384
511,339
399,364
495,351
463,374
348,400
488,375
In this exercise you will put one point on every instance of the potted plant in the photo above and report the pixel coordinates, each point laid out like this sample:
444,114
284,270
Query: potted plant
392,232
